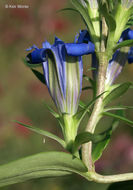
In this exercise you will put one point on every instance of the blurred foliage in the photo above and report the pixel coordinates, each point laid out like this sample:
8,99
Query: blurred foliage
22,95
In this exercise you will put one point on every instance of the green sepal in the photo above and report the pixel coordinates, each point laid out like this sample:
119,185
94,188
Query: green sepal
125,43
31,65
130,22
39,75
92,82
116,92
55,114
44,133
85,137
118,117
48,164
122,15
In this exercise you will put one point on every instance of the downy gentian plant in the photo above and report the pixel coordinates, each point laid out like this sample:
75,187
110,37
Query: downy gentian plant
109,39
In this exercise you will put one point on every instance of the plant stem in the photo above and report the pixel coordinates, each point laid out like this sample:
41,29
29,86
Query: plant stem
95,116
109,178
102,57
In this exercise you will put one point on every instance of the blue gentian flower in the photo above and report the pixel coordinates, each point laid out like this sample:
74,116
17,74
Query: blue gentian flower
118,60
63,71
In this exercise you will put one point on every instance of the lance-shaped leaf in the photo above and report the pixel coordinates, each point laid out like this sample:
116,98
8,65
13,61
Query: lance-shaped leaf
116,92
125,43
85,137
87,88
118,117
67,9
83,12
118,108
44,133
98,148
48,164
80,115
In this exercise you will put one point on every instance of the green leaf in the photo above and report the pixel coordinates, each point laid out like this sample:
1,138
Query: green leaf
39,75
108,17
123,44
87,88
117,108
80,115
124,185
85,137
82,104
117,92
44,133
48,164
98,148
118,117
83,12
67,9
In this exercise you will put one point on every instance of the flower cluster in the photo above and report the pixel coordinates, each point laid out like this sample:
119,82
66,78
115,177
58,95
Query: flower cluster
63,68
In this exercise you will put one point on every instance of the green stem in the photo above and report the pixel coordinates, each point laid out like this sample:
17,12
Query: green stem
109,178
95,116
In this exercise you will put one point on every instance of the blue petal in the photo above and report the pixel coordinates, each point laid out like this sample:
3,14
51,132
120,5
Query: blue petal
130,55
32,47
46,45
127,34
115,66
79,49
84,37
57,41
37,56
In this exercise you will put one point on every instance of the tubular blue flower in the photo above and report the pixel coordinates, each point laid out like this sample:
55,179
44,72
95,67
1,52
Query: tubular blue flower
63,71
120,58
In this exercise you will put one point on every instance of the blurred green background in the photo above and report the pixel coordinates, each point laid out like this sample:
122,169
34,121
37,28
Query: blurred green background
22,96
